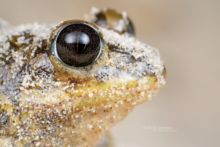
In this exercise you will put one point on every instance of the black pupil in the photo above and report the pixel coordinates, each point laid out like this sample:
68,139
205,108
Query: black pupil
78,45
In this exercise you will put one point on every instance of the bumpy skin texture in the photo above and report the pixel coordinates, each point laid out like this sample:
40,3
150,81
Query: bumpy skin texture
46,103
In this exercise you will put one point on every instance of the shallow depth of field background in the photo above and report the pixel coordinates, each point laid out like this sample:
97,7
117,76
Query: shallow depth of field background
185,113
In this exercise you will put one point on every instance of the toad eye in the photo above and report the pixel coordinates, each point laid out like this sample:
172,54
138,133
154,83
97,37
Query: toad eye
77,44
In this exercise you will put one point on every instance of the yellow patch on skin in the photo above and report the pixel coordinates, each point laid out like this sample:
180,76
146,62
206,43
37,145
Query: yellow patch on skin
110,91
86,112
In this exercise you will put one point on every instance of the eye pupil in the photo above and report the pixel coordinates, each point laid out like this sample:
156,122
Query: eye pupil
78,44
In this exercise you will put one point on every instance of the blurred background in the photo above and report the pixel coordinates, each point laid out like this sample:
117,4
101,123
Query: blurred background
186,112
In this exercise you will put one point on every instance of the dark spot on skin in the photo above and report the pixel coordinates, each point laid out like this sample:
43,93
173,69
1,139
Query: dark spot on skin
114,48
13,40
16,110
101,20
4,118
42,49
64,76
